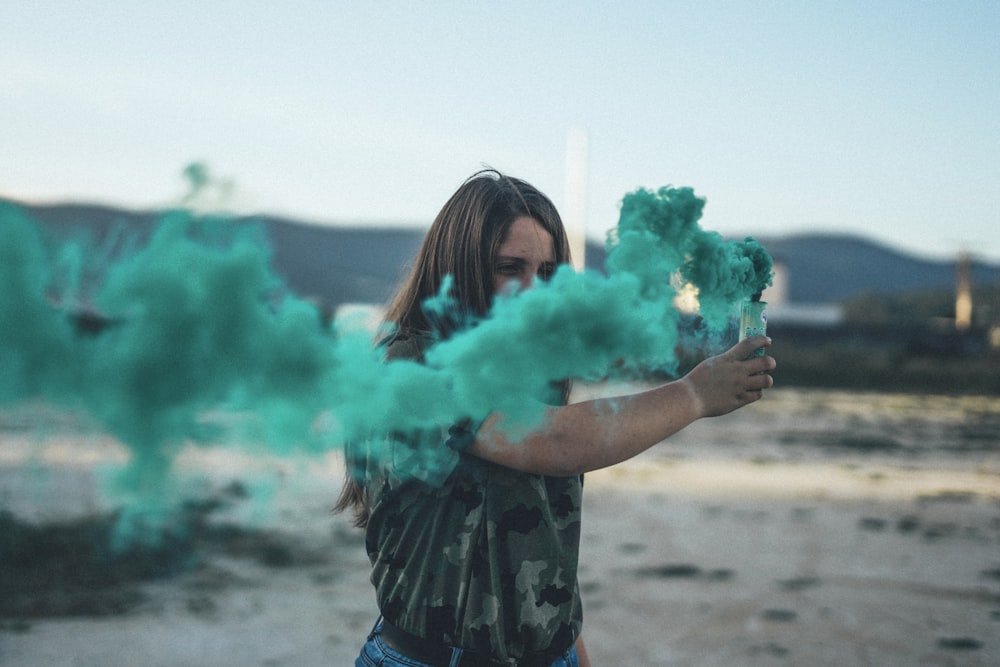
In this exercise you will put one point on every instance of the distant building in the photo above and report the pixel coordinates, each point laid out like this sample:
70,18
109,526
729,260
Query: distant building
365,316
781,311
963,293
777,293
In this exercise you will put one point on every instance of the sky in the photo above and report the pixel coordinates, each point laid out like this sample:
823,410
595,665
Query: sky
879,118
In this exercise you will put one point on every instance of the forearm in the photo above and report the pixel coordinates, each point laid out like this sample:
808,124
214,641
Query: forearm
586,436
581,652
594,434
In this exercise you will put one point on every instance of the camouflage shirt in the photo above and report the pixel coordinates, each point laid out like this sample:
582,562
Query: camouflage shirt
484,558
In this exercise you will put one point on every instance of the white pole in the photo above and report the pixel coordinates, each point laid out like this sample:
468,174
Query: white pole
575,210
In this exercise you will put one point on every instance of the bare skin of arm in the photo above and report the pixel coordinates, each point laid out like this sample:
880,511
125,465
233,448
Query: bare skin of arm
581,652
581,437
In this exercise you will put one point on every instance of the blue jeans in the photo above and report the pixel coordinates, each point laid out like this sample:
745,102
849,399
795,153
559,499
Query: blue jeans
375,653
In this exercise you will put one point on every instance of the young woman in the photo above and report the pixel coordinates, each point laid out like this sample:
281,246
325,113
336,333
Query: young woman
478,566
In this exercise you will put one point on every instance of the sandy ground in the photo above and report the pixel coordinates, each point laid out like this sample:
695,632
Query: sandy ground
754,539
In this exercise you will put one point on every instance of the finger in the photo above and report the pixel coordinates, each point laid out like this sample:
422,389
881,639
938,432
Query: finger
761,381
763,364
746,347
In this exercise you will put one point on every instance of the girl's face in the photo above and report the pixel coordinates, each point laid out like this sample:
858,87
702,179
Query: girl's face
526,253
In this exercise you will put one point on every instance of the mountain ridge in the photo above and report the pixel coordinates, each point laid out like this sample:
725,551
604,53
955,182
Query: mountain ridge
344,263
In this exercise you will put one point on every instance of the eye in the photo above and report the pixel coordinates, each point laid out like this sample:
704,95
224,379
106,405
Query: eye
508,269
545,271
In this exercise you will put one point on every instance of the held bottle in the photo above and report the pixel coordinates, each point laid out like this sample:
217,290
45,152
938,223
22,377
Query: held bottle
753,322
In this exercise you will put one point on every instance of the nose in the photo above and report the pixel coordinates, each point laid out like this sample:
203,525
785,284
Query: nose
515,285
525,283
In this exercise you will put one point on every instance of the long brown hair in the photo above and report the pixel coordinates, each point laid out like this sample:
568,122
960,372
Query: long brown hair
462,243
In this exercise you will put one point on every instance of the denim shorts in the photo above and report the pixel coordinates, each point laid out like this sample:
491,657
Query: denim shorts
375,653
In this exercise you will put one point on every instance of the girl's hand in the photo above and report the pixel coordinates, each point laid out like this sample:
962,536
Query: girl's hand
730,380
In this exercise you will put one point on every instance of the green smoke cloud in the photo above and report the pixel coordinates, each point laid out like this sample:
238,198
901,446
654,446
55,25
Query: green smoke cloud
195,321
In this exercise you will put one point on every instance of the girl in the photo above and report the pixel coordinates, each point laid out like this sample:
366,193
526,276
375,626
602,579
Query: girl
478,565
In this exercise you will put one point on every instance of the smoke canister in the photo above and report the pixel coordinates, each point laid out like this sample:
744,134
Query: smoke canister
753,322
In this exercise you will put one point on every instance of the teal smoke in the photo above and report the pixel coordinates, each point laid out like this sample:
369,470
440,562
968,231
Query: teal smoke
195,321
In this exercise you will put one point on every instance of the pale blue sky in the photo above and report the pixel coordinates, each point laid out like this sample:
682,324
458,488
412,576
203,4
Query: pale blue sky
881,118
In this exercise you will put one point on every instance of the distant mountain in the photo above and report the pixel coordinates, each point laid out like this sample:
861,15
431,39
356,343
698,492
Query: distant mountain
356,264
331,264
828,268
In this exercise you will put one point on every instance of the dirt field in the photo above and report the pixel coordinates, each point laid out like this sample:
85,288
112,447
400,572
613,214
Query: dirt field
813,528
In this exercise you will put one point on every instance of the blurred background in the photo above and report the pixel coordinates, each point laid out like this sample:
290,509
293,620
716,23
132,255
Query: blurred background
858,141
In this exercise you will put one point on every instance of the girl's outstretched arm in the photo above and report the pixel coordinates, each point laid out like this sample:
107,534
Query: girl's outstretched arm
586,436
